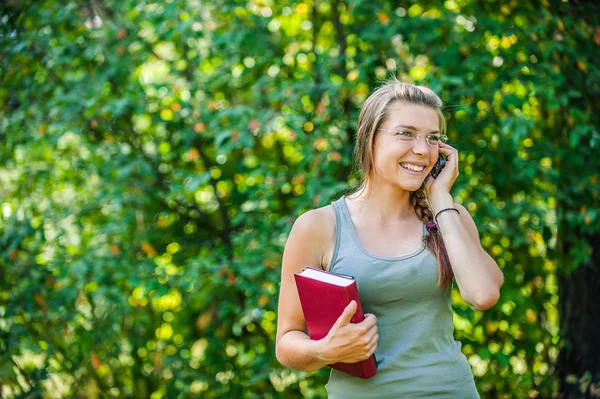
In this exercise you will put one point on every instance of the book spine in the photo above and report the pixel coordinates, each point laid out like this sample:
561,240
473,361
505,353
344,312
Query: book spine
368,367
351,292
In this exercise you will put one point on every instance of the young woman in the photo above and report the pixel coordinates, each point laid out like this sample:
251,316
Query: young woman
404,240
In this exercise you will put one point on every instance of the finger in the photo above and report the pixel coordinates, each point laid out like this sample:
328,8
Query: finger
371,333
447,150
451,154
373,349
370,351
445,145
373,341
454,154
371,318
346,316
369,321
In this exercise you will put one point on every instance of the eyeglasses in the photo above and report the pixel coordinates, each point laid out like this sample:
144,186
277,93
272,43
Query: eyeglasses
432,139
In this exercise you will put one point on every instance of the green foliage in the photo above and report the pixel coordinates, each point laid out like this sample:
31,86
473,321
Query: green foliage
156,154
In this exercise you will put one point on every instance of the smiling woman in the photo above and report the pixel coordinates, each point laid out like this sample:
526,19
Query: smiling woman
400,140
386,235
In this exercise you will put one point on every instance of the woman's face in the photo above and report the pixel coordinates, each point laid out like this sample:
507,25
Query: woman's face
393,155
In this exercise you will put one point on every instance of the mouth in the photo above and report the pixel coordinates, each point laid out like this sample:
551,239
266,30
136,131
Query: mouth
412,168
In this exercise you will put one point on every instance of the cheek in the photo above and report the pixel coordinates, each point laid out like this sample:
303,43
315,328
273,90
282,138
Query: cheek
386,156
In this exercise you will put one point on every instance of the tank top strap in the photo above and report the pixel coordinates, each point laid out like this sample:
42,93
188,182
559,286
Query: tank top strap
343,228
341,215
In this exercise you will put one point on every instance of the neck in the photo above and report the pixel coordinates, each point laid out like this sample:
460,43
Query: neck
384,204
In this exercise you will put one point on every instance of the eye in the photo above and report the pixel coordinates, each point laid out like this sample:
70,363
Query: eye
405,133
434,139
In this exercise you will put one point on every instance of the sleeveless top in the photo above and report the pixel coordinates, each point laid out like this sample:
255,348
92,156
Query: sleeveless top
416,355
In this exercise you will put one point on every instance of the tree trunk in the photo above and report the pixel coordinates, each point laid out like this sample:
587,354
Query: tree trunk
578,366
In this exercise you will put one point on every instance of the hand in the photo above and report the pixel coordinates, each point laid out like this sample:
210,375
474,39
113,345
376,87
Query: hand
350,342
447,176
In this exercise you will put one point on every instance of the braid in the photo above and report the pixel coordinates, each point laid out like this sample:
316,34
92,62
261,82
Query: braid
420,203
433,240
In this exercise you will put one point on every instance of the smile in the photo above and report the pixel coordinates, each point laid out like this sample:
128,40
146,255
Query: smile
412,167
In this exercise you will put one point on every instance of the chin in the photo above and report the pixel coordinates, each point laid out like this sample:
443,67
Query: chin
410,187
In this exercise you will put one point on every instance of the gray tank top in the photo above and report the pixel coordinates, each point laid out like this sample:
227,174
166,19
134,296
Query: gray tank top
417,356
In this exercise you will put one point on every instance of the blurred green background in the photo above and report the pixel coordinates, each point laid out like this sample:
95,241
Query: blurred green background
154,155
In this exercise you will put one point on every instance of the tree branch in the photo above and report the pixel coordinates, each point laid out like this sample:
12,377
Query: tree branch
343,72
25,376
317,90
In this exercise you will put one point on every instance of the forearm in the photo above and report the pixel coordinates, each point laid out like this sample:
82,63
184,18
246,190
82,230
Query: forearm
295,350
477,275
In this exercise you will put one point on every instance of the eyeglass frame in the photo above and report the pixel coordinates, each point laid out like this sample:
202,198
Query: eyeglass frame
442,137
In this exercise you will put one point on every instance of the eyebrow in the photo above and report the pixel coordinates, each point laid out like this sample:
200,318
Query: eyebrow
414,128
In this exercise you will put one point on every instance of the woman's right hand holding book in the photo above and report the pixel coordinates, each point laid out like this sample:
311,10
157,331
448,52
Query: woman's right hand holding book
349,342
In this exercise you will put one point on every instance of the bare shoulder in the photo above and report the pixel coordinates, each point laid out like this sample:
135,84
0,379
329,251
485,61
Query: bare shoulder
315,229
316,220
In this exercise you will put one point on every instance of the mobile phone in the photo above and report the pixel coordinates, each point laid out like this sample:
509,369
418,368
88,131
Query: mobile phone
439,165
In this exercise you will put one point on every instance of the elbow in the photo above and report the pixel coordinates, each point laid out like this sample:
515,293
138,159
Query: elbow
279,356
287,359
284,362
484,302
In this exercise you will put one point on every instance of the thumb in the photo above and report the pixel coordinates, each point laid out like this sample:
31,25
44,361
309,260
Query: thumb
428,182
349,311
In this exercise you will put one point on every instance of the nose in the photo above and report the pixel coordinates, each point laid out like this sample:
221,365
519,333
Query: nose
420,145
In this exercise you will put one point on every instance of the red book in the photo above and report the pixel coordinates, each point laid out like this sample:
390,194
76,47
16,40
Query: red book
324,296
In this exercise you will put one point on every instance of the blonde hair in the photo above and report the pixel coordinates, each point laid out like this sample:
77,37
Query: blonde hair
373,112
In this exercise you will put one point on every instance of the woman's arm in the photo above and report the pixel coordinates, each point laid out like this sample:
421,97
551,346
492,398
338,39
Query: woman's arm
295,350
345,342
477,275
304,247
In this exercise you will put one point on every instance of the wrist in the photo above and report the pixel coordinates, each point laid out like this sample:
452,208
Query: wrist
443,211
319,351
440,200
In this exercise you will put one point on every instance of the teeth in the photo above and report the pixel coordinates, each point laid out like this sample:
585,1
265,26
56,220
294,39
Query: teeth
412,167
